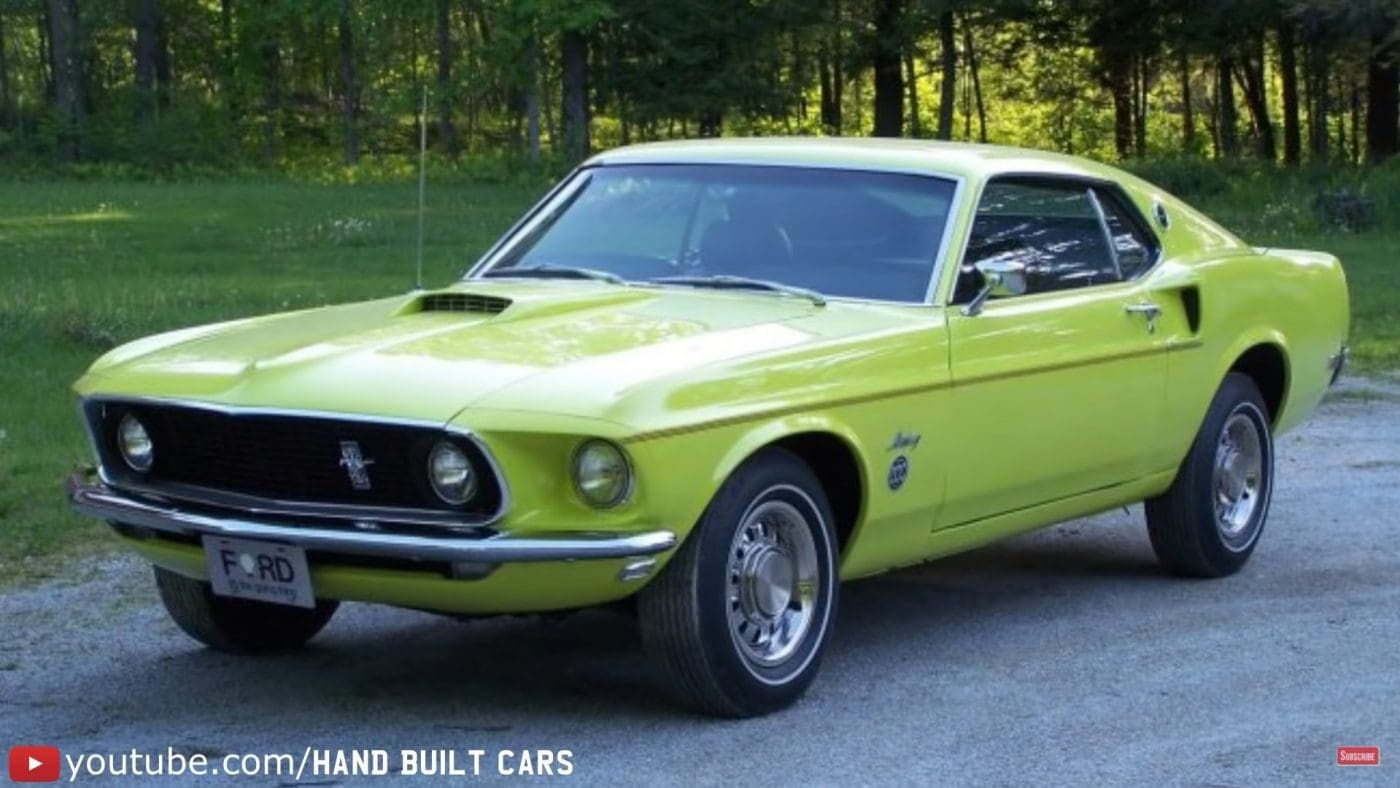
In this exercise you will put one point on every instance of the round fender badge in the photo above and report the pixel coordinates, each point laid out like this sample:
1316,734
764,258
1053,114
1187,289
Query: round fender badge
899,471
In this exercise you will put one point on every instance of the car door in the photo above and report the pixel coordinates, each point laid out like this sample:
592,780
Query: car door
1060,390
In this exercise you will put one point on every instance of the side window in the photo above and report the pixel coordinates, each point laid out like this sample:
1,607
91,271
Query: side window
1135,248
1053,229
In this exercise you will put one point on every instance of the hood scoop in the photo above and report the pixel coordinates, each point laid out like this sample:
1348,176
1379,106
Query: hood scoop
463,302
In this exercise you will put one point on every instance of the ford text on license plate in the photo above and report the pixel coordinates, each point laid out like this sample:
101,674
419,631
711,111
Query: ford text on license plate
264,571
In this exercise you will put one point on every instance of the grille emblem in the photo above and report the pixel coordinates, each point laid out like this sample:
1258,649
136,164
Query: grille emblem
355,464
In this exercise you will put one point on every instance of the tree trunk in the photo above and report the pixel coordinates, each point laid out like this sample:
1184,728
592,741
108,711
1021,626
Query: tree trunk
532,99
889,71
165,78
948,93
548,126
348,108
270,55
1341,148
6,116
973,67
1140,108
573,55
911,81
45,54
144,61
1318,102
1355,122
447,137
711,123
67,84
1188,111
1117,69
1121,89
1288,74
1382,86
838,81
1256,99
228,49
1229,146
830,101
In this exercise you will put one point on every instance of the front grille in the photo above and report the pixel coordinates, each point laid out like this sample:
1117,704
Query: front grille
463,302
289,458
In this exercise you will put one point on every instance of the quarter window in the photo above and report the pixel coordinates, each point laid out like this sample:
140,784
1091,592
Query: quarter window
1134,248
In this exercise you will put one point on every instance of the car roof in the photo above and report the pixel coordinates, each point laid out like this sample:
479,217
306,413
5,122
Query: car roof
957,159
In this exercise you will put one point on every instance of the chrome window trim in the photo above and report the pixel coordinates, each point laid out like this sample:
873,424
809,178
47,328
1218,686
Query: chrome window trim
1121,197
945,245
488,260
1107,233
494,249
223,498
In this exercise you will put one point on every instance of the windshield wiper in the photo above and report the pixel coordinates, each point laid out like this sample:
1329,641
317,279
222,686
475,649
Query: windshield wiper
728,282
551,271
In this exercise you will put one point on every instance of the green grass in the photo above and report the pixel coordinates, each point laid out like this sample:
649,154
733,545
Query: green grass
88,264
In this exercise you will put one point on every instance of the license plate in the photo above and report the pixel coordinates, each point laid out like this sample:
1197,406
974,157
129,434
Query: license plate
264,571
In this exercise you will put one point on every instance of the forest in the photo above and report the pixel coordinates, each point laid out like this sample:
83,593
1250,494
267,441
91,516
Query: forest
264,84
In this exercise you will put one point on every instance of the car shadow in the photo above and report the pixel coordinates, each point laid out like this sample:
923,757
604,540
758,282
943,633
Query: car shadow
466,679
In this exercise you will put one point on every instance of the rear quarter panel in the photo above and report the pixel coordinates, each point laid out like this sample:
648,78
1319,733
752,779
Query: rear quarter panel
1294,300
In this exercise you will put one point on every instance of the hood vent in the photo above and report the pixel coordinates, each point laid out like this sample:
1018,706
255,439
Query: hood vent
463,302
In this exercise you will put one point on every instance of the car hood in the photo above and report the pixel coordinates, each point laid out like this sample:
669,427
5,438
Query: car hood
563,346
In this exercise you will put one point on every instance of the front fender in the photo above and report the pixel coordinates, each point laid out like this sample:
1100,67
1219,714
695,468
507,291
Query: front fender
680,473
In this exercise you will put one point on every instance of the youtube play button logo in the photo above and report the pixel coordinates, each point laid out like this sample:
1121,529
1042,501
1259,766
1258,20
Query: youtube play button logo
34,764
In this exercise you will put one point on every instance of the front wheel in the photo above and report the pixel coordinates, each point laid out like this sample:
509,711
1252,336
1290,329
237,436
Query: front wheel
240,626
737,622
1208,523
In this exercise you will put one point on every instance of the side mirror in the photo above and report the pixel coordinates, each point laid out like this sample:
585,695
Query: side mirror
1001,278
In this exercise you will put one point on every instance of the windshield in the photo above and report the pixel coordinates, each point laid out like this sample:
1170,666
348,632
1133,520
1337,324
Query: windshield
840,233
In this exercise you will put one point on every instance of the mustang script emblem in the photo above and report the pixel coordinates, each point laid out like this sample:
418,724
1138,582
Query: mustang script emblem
355,464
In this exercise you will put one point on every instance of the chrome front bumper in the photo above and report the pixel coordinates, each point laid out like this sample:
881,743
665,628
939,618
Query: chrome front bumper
98,500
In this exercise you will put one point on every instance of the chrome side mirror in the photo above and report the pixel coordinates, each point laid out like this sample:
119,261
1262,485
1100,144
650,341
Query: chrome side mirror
1001,278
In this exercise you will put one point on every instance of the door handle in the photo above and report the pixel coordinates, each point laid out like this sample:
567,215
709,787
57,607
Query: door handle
1147,309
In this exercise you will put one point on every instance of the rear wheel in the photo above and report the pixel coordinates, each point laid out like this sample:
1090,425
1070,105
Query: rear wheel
737,622
1208,523
240,626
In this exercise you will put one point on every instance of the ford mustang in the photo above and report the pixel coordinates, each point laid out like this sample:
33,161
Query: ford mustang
711,380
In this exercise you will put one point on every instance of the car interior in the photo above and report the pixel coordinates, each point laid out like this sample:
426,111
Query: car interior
844,242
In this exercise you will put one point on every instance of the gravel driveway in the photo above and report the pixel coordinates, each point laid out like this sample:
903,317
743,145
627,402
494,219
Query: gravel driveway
1063,655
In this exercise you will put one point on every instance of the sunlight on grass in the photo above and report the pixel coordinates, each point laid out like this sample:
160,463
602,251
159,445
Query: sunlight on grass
72,218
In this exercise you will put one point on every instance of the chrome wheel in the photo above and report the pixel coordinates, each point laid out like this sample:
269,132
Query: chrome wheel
1238,479
774,583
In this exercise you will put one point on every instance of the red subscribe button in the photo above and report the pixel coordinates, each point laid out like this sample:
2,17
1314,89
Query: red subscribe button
1358,756
31,764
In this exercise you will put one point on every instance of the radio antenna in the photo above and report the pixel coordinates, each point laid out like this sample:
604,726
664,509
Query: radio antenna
422,173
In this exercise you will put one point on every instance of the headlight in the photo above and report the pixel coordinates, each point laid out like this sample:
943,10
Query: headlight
135,444
601,474
451,474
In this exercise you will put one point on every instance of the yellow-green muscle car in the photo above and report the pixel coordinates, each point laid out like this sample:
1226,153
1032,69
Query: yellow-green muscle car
720,377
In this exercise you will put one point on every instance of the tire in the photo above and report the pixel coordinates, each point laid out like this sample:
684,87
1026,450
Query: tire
725,625
1208,522
238,626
